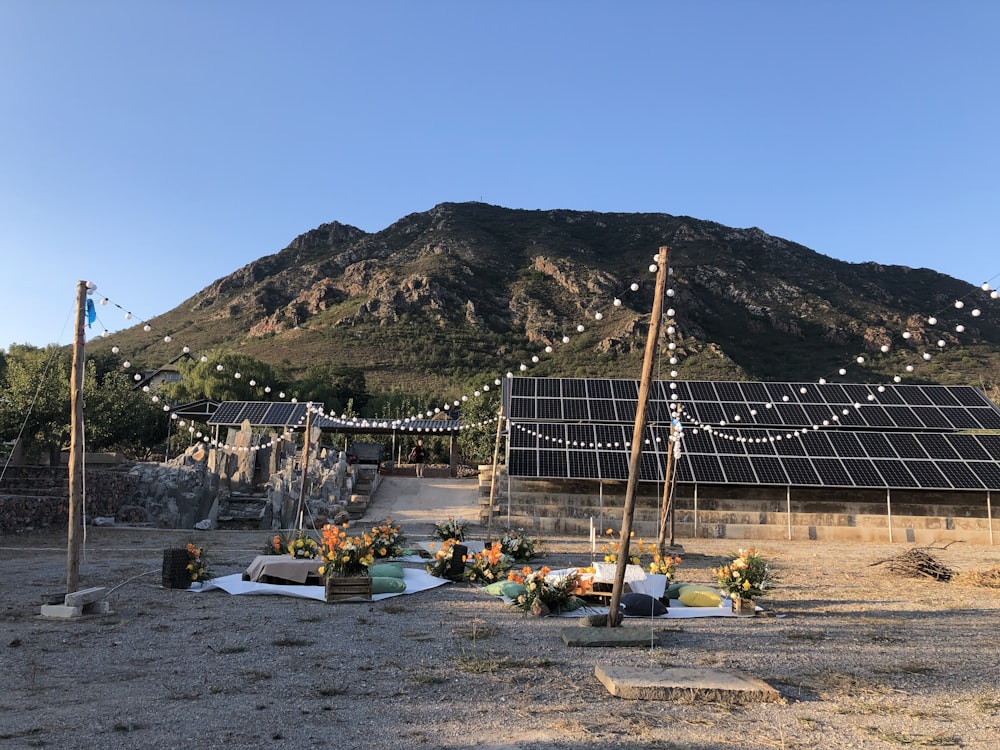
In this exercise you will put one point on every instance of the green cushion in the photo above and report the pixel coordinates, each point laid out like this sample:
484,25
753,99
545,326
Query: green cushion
495,588
387,585
691,595
511,589
674,589
386,570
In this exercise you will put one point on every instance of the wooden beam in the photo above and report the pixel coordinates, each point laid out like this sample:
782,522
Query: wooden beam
76,445
652,341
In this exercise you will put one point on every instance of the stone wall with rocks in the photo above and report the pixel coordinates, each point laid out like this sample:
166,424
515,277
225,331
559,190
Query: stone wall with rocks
34,498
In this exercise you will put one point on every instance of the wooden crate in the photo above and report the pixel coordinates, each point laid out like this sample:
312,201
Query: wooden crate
348,589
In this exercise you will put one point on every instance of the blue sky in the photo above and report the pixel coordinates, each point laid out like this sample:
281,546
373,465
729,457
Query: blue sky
153,147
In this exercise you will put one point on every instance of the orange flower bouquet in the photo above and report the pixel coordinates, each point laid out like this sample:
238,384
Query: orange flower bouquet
343,555
545,593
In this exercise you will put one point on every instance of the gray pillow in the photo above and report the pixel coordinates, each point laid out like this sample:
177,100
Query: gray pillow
642,605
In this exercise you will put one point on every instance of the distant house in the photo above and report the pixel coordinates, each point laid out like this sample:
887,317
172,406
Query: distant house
169,373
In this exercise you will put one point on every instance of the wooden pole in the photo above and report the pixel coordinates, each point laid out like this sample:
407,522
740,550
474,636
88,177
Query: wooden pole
666,507
75,525
652,341
493,475
305,469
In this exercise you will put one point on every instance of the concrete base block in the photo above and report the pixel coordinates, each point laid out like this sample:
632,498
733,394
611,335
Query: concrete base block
61,611
85,596
638,683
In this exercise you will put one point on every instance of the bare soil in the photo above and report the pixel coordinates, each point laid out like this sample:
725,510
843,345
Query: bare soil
864,657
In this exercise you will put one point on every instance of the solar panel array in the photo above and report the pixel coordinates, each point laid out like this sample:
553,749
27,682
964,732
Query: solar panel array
904,437
286,414
260,414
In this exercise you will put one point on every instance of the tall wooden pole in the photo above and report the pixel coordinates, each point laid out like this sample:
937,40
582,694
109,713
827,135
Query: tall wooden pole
493,475
652,340
76,444
666,507
300,517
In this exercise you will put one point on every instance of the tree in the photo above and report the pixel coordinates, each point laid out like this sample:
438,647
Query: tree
35,400
334,385
224,377
118,417
479,418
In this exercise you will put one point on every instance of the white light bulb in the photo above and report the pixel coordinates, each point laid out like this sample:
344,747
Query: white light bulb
896,379
652,268
580,328
126,364
598,316
977,313
220,368
907,334
986,286
565,339
128,316
267,389
942,342
237,375
671,312
909,368
884,348
548,350
959,304
534,358
860,360
927,355
186,349
634,287
617,302
204,358
932,321
166,339
114,350
842,371
959,328
147,328
253,383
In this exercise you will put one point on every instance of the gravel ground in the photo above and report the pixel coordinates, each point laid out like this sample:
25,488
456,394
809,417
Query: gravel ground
864,658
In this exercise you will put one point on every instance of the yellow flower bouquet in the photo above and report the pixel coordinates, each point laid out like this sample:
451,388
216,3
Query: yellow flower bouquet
387,539
489,566
548,594
748,576
197,564
343,555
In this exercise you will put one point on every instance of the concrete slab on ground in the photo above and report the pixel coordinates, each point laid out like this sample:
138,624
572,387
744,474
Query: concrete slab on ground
684,683
605,637
409,500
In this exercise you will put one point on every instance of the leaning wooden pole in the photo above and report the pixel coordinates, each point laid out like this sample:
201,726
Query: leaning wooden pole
652,341
300,516
493,475
666,507
76,444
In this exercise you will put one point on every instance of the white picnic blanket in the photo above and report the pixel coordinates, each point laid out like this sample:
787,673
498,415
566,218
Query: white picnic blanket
416,581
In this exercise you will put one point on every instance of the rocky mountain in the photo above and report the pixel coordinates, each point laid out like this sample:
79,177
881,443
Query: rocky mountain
462,292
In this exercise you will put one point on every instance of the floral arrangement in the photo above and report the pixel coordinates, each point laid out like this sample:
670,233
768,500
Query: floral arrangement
387,539
664,565
197,564
345,556
440,564
489,566
453,528
611,548
299,545
748,576
517,545
544,593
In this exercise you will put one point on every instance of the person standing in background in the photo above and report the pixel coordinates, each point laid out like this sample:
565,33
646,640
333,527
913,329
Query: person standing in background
418,457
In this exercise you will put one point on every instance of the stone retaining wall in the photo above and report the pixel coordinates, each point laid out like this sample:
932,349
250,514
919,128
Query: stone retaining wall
752,513
34,498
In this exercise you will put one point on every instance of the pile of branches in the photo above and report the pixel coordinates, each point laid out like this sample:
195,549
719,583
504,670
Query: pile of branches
917,563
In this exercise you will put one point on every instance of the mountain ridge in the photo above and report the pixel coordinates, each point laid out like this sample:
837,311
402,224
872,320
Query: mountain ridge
467,290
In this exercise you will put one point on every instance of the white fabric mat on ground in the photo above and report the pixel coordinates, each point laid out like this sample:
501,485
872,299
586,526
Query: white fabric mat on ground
416,581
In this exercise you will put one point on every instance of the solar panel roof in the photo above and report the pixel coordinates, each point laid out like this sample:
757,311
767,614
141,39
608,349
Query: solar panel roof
902,437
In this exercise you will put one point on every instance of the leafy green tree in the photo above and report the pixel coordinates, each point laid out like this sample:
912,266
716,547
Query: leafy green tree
224,377
334,385
479,416
34,402
119,417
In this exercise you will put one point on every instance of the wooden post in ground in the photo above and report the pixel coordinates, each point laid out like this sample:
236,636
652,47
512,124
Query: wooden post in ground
666,506
652,341
76,445
300,518
493,476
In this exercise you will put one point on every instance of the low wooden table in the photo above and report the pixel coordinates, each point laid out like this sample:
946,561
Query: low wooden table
284,569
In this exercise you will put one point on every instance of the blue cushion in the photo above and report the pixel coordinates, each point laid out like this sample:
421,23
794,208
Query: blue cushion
642,605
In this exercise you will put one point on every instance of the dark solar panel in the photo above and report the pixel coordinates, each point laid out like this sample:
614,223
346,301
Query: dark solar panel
698,441
552,463
282,413
707,412
988,473
755,393
702,391
651,469
876,445
523,463
914,395
938,447
227,413
729,391
987,418
792,414
549,408
769,470
927,475
603,411
961,418
960,475
905,445
846,444
522,408
992,445
940,395
576,409
968,447
763,447
707,469
738,470
684,473
800,471
613,465
931,416
548,388
832,472
574,388
524,437
968,396
599,389
816,443
582,465
903,416
895,473
863,472
522,387
625,390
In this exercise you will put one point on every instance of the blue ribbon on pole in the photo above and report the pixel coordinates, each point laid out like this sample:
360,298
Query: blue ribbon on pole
91,313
